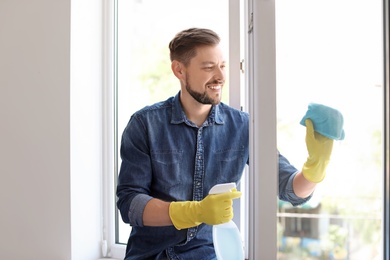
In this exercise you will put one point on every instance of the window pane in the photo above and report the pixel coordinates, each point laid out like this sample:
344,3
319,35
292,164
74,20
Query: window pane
145,28
330,52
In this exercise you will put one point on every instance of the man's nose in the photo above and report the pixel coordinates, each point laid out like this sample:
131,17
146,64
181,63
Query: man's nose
219,74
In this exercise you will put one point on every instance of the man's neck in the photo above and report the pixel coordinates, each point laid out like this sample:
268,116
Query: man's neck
195,111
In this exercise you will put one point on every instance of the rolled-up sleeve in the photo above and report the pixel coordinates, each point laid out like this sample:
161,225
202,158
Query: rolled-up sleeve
135,175
287,173
136,210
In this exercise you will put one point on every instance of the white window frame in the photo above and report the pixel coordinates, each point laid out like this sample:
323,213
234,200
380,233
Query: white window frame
109,246
261,84
386,80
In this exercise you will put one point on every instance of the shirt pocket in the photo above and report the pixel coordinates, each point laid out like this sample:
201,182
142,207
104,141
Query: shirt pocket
166,165
230,164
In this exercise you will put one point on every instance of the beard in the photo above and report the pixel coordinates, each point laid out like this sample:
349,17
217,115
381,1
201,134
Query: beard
203,98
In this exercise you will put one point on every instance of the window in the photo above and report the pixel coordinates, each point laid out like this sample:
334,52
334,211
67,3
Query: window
328,54
144,74
320,57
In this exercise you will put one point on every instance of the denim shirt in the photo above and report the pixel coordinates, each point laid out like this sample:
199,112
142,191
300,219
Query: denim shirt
166,156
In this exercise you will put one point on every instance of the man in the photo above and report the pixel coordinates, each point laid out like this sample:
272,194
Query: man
174,151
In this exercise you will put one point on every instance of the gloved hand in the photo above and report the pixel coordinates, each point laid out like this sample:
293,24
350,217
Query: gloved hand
319,148
212,210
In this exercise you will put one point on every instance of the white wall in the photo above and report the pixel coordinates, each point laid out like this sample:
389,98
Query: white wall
50,138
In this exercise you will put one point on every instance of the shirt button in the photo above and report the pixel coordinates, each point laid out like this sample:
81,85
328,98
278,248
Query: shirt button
198,183
199,157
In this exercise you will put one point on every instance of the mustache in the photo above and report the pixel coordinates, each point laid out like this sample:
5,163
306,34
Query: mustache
216,82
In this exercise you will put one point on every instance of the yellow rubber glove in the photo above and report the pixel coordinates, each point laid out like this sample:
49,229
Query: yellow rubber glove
212,210
319,148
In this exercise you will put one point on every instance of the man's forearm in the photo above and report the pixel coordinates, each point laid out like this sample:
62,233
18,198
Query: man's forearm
156,213
303,187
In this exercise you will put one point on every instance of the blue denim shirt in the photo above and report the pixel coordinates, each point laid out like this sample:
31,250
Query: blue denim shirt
166,156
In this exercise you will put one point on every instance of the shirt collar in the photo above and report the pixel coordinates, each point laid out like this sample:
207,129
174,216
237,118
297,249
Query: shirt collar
178,115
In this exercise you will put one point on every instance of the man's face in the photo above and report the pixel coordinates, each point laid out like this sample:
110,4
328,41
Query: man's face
205,75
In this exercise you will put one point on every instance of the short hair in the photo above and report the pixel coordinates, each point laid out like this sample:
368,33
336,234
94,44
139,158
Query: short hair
183,46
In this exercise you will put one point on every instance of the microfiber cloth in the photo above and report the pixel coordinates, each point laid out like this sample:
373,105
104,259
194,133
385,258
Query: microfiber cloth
326,121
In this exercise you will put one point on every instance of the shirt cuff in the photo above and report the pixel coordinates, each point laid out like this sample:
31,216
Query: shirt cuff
136,209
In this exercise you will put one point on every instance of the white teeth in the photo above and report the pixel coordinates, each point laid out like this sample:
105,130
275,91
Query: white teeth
215,87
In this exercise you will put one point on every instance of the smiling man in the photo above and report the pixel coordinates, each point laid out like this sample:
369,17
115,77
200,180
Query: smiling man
173,152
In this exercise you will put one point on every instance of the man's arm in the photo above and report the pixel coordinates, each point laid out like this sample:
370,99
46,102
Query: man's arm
156,213
302,187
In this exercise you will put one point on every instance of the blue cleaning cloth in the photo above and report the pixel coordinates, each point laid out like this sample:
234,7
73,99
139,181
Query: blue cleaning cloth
326,121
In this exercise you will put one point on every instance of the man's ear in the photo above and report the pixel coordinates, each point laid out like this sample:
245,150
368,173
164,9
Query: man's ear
178,69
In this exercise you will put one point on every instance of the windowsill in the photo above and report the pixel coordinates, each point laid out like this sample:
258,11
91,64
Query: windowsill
117,252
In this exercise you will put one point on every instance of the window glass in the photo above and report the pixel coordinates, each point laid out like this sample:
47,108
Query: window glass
145,28
330,52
